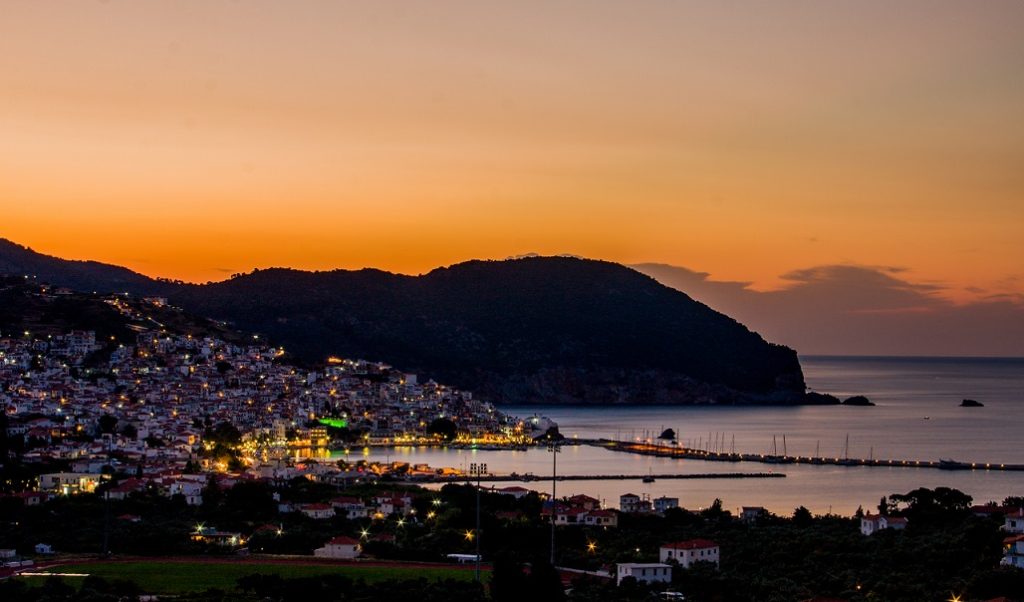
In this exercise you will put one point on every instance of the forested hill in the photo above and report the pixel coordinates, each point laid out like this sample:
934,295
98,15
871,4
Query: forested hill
544,329
84,276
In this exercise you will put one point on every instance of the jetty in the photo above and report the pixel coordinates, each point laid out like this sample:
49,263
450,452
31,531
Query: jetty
674,451
530,478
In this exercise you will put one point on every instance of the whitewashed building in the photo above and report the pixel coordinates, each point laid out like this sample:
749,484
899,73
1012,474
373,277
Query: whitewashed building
873,523
688,552
1014,522
643,572
339,547
664,503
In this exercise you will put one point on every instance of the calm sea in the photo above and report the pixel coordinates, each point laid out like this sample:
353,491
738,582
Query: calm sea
917,417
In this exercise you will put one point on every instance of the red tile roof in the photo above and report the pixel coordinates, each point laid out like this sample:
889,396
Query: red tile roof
343,540
691,544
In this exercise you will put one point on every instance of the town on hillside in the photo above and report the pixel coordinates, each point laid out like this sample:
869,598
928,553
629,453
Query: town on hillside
194,445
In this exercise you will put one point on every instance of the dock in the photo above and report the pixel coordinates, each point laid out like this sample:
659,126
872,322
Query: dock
532,478
667,451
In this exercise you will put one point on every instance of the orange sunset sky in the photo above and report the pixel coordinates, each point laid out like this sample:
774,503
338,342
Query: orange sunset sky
748,140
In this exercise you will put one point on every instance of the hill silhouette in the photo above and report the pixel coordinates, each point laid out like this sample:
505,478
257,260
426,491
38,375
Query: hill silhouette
84,276
538,329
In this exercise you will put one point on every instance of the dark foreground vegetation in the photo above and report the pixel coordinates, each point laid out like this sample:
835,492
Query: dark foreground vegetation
946,550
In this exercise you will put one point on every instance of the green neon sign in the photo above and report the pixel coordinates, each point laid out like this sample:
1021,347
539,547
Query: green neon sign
338,423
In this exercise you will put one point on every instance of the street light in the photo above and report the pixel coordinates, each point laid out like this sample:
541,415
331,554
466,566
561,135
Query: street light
477,470
555,449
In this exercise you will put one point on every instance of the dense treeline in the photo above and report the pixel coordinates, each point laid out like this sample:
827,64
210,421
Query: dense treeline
944,549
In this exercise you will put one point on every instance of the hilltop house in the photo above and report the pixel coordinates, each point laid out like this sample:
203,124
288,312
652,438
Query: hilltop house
751,514
585,501
661,504
1013,551
339,547
686,553
601,518
643,572
317,511
872,523
350,507
515,491
1014,522
631,502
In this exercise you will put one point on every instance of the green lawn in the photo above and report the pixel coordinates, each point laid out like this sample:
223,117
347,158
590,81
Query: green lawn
176,577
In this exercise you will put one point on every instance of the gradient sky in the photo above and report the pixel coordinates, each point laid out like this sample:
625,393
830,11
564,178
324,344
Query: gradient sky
745,139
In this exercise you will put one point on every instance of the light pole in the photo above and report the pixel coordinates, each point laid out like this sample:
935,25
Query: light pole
477,470
555,449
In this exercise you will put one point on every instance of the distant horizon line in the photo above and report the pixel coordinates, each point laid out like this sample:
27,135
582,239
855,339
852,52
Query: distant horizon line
835,356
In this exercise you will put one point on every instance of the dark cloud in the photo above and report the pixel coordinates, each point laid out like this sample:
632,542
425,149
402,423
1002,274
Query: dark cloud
855,309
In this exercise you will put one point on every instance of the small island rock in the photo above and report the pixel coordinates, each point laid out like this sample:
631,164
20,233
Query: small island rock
857,400
971,403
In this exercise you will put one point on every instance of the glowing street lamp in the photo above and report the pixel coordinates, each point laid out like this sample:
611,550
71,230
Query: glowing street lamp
591,547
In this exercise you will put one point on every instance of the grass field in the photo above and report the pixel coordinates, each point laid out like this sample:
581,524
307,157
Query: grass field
177,577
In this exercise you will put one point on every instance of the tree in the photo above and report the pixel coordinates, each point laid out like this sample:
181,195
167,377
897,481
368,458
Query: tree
507,579
130,431
442,427
1014,501
224,433
4,441
802,517
544,583
212,496
107,423
154,441
668,435
884,507
940,503
715,511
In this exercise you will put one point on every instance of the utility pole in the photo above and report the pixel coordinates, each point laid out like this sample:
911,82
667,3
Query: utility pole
555,449
477,470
